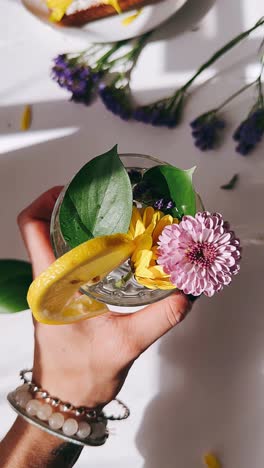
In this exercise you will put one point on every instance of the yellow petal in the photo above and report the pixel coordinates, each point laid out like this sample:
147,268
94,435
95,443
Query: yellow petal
155,283
143,242
58,3
165,221
143,273
145,268
58,8
158,272
157,216
211,461
150,228
155,252
136,216
26,118
129,19
142,259
139,228
148,215
115,5
56,15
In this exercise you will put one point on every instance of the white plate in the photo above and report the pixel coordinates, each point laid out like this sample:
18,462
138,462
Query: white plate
111,29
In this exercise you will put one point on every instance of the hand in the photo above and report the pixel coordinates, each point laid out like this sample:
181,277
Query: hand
86,363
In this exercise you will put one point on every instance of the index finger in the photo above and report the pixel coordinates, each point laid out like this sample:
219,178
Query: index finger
42,207
34,224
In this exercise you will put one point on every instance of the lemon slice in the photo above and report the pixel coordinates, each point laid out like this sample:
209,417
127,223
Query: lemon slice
53,297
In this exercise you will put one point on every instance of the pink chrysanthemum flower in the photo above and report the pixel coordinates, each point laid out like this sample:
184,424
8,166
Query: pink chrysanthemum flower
200,254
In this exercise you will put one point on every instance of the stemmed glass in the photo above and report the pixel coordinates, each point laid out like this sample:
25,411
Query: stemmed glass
131,293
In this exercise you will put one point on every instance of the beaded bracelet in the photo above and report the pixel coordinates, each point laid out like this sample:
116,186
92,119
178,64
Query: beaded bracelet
79,425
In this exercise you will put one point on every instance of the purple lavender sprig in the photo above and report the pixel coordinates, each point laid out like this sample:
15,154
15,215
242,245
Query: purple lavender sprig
76,77
81,73
206,130
163,113
117,99
163,205
116,96
250,132
207,127
168,112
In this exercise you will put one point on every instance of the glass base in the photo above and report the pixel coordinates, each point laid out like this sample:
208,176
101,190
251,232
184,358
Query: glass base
130,294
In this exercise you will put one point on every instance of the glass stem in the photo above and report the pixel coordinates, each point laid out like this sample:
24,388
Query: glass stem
122,281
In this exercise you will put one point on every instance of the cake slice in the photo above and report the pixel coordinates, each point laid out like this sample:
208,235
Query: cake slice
80,12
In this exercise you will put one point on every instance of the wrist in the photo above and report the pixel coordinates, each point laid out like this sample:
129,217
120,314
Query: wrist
67,387
78,385
26,446
81,425
67,375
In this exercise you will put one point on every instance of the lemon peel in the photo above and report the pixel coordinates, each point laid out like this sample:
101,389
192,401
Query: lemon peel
52,295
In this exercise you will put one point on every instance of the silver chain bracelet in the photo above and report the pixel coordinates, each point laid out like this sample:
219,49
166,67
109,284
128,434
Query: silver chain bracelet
68,407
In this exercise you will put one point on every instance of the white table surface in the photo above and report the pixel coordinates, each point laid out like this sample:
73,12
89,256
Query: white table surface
201,387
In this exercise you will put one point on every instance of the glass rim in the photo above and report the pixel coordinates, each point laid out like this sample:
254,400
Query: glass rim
136,161
121,155
140,155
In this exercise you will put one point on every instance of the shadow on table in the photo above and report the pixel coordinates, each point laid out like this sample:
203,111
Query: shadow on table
211,380
211,375
62,137
203,37
186,19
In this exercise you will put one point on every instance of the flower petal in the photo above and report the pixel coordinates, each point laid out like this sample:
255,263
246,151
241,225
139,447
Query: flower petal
148,215
164,221
155,283
201,254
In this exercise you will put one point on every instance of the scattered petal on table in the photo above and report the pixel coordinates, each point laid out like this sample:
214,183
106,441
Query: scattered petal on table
26,118
211,461
231,184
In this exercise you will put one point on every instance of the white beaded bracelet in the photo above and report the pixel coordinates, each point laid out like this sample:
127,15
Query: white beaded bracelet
82,425
49,419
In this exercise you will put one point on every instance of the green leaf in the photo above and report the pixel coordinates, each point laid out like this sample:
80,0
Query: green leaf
98,200
72,227
175,184
15,279
231,184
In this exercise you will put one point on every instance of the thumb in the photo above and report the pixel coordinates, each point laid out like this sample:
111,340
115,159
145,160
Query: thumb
154,321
